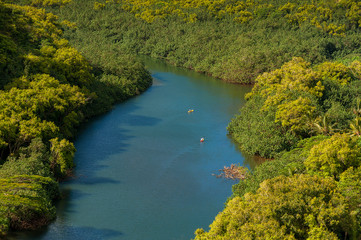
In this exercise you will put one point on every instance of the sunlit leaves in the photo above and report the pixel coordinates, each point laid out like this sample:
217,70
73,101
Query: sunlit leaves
295,114
62,153
354,12
26,202
44,24
318,13
294,207
335,72
280,84
35,108
296,90
188,10
98,6
65,63
51,3
333,156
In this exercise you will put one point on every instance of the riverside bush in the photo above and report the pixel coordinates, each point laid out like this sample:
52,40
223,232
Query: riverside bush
231,40
47,89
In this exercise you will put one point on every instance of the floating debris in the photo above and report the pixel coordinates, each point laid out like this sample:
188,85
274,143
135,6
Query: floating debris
233,172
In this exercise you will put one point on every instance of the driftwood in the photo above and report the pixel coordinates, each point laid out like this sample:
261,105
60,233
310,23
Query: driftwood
233,172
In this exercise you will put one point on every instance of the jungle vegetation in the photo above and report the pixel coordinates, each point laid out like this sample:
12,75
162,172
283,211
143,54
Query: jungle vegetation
47,88
229,39
307,119
303,58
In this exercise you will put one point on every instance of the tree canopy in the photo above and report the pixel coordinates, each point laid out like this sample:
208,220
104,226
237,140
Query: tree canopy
47,88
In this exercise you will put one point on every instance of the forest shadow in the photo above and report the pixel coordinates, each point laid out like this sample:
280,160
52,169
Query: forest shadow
67,232
104,137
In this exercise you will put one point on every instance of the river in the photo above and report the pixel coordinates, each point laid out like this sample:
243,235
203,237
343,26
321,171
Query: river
142,172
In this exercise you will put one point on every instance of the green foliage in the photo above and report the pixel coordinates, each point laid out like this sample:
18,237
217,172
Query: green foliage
333,156
31,160
296,207
64,63
295,114
52,3
286,163
350,186
258,133
335,72
37,107
232,40
98,6
299,101
303,100
280,84
47,89
322,14
61,159
26,202
207,36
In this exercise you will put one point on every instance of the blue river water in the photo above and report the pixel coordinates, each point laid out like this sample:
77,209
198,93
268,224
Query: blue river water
142,172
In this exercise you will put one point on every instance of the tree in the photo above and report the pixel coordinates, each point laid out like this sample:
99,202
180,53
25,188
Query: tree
333,156
296,207
350,187
61,159
296,114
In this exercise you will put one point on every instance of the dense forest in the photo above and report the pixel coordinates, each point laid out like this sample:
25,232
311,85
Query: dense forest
228,39
303,114
47,89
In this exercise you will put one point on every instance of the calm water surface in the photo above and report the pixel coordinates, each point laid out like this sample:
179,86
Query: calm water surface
142,173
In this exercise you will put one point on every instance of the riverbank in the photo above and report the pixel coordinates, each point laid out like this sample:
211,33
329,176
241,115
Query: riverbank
296,99
49,89
142,164
297,108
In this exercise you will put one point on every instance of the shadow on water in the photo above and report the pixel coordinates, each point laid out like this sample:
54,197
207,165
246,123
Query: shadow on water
141,172
96,144
63,231
70,232
64,204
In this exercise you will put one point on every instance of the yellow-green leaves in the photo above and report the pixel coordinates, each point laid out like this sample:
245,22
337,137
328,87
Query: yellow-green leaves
35,107
333,156
62,153
240,11
44,24
52,3
296,90
296,114
319,14
294,207
354,12
335,71
280,84
26,202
